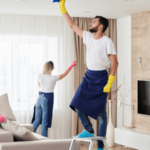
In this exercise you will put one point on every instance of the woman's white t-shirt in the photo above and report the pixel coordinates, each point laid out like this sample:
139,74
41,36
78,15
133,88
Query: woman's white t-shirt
97,55
47,82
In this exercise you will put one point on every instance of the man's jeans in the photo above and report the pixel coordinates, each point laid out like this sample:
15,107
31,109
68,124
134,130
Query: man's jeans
41,113
102,124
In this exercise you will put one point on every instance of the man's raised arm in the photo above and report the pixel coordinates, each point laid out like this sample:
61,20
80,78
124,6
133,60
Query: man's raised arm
69,20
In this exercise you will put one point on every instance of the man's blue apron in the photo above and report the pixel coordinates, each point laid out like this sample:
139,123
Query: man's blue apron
90,98
50,100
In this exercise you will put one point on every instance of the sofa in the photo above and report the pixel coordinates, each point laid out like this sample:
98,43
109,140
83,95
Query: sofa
7,142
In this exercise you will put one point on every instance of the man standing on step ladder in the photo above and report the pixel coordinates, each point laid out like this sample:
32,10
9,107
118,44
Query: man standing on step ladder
91,96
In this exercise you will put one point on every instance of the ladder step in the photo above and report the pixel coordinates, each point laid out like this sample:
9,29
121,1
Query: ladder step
94,138
89,140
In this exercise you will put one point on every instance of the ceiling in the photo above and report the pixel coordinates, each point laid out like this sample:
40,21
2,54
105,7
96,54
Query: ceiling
108,8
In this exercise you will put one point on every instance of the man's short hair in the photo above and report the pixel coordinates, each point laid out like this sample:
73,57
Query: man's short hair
104,22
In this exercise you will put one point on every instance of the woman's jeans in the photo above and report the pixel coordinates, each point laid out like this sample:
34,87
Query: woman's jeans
88,125
41,114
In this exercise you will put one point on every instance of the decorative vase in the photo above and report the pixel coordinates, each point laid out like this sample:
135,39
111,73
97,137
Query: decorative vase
110,130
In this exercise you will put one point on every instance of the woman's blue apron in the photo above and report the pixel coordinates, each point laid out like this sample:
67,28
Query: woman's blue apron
50,101
90,98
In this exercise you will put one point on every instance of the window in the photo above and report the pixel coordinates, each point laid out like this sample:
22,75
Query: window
21,60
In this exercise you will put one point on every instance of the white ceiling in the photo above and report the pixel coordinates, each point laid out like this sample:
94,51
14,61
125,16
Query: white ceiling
108,8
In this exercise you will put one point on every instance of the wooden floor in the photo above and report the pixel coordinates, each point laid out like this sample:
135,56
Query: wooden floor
116,147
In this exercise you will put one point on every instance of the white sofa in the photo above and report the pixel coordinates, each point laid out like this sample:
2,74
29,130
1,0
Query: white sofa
7,142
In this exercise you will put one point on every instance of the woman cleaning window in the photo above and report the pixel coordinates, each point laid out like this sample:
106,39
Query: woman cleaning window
44,105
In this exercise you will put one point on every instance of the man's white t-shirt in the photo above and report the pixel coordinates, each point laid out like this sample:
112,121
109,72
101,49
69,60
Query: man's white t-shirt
97,55
47,82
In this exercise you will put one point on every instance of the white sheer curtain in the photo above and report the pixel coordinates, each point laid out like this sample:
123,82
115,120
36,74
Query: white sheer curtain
26,43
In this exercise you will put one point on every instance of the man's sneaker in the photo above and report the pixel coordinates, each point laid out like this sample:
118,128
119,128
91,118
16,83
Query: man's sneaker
85,134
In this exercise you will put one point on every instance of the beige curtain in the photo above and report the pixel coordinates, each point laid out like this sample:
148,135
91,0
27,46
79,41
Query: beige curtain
111,32
80,69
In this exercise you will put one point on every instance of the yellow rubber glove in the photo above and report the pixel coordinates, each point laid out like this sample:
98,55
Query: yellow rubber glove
62,6
109,84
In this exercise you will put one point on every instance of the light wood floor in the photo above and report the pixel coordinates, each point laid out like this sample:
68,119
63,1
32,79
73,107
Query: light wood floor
116,147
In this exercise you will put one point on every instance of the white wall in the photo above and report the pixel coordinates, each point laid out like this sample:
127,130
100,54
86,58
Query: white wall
124,69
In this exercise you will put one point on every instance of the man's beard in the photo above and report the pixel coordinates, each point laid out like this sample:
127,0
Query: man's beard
94,29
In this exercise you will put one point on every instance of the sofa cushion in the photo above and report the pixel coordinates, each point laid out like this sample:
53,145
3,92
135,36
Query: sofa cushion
5,136
40,137
5,109
28,126
20,133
